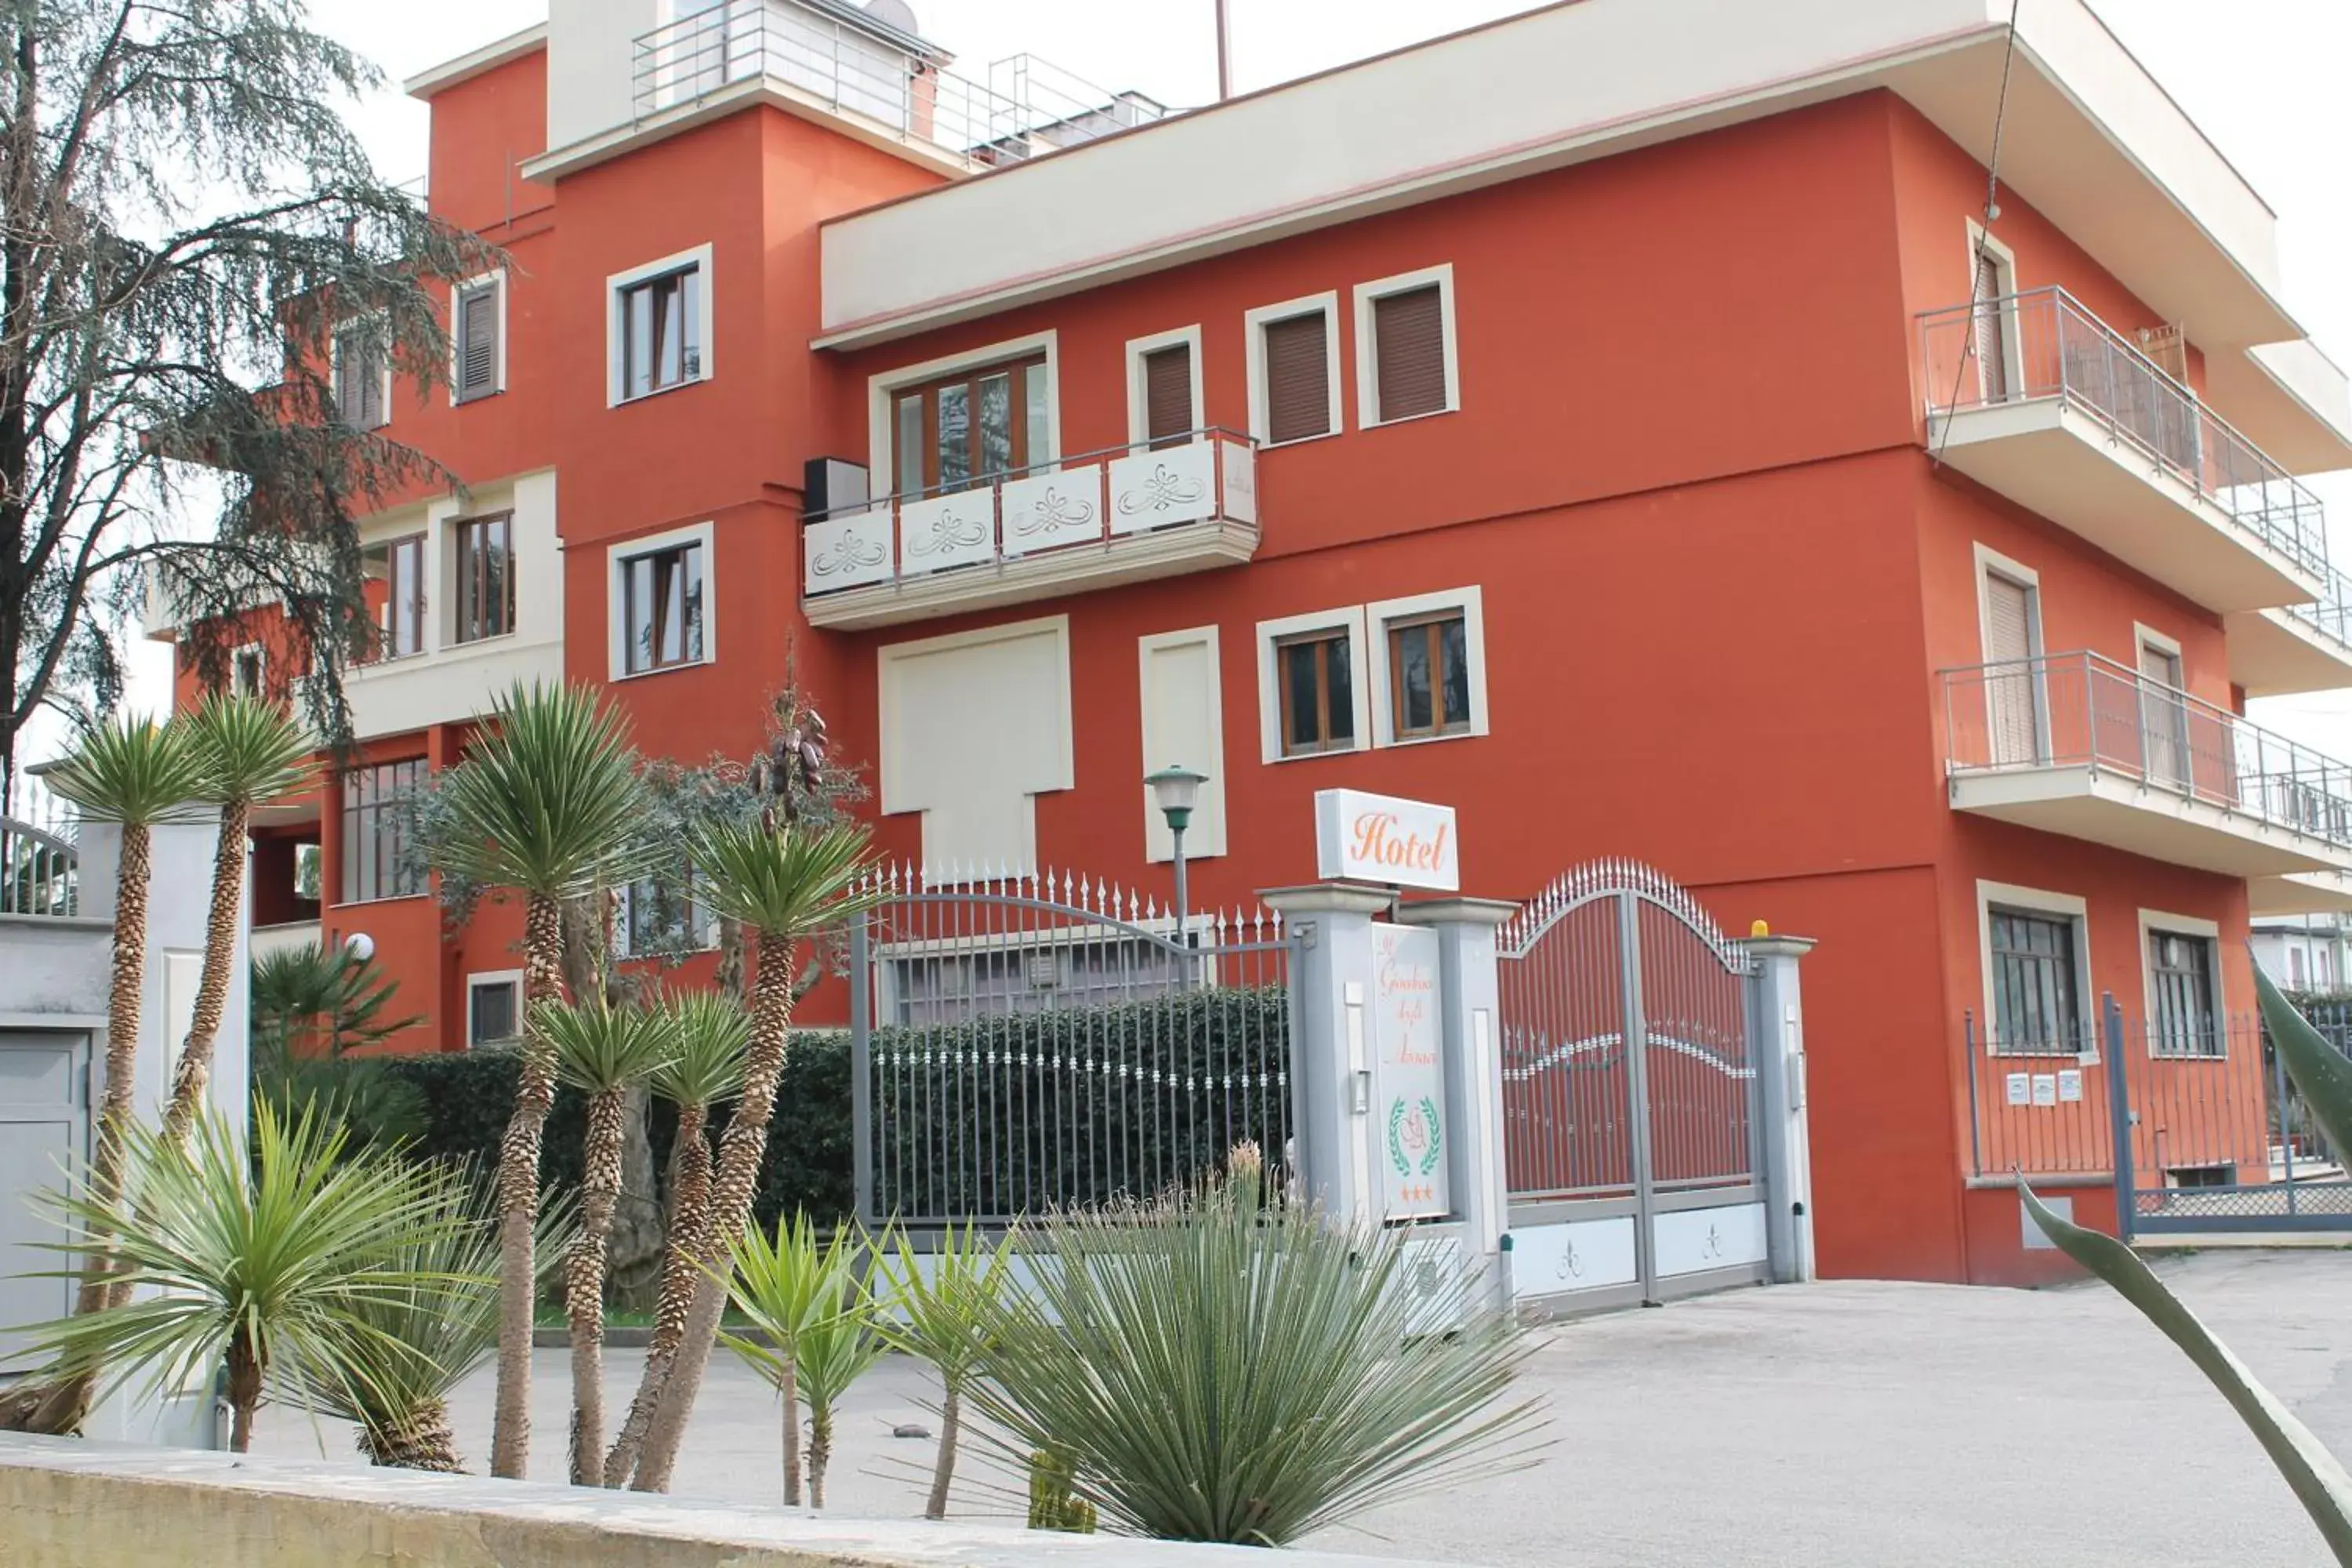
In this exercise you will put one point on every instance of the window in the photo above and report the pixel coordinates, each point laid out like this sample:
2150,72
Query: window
478,340
1163,390
2163,710
377,862
308,880
1405,364
1316,682
1012,980
2009,607
1294,370
248,671
660,333
662,607
972,427
485,564
361,380
1992,291
392,575
2036,997
656,918
2181,1017
2295,968
493,1008
1429,677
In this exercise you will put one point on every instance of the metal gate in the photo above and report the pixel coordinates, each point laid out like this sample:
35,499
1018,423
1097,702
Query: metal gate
1631,1102
1031,1041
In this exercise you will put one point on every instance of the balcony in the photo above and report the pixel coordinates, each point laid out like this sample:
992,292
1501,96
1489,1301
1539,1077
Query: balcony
1124,515
2078,744
2034,398
2302,647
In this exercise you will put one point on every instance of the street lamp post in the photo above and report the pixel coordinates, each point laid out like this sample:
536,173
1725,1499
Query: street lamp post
1174,790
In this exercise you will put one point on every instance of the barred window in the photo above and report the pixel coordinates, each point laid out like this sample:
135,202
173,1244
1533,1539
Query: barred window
2180,972
376,862
2035,993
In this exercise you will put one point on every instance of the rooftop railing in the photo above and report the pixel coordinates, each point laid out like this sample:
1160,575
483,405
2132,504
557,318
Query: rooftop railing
2043,344
2079,709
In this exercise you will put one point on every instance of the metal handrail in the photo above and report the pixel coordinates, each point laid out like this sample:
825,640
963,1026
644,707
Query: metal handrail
41,860
2331,615
2042,343
2083,710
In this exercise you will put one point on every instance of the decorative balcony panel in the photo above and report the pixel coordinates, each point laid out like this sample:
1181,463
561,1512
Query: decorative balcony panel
2077,744
1097,521
2033,396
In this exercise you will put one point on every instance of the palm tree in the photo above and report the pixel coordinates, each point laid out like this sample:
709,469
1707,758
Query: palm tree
820,1325
712,1032
322,1001
545,801
781,883
249,750
945,1317
268,1261
135,773
603,1051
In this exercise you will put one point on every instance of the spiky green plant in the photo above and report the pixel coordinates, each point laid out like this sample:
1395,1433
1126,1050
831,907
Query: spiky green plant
946,1314
1215,1367
820,1323
323,1001
603,1052
546,801
248,750
266,1260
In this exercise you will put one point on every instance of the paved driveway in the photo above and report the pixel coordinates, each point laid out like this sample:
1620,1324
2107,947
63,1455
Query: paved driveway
1831,1425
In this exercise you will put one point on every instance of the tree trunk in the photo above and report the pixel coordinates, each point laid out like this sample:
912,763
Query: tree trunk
517,1188
634,1254
423,1442
58,1406
584,1282
245,1372
951,1421
196,1066
820,1451
741,1149
788,1384
690,1222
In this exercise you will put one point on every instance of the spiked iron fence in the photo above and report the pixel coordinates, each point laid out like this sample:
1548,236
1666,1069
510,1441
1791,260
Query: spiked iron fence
1024,1042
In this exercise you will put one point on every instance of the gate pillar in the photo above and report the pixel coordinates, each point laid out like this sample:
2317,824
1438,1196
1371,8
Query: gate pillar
1469,995
1776,1026
1330,1040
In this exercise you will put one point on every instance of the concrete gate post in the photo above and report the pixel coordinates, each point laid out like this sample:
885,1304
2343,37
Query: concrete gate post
1776,1045
1469,996
1330,1040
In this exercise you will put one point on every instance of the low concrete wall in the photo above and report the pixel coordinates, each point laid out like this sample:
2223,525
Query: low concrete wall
68,1504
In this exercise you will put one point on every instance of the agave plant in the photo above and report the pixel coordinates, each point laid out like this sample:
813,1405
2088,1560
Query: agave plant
2324,1076
1218,1366
822,1329
946,1316
270,1262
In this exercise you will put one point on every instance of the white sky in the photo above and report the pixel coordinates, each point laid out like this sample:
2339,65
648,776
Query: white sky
2262,78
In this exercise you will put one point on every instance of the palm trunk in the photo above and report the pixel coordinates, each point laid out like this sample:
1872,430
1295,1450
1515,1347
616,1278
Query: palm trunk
58,1406
788,1384
245,1372
740,1152
820,1451
518,1192
583,1281
951,1421
422,1442
689,1223
632,1257
195,1066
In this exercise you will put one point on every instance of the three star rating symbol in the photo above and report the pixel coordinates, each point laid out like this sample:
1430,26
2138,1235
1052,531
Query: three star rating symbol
1418,1192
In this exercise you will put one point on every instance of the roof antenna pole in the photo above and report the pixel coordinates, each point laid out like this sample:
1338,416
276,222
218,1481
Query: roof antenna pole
1224,56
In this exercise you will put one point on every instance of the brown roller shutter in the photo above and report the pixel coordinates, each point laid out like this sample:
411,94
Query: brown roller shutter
1409,335
478,339
1297,378
1167,394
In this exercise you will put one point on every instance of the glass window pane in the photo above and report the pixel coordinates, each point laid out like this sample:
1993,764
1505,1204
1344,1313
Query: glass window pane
690,570
1040,443
689,324
637,353
1453,653
671,611
1298,679
1412,679
1341,678
955,436
995,425
669,367
909,444
640,611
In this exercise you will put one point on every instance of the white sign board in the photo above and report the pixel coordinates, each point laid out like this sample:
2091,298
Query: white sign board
1407,1129
1362,837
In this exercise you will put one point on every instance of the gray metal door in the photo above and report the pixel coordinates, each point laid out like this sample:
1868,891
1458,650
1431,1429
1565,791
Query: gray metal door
43,1135
1631,1108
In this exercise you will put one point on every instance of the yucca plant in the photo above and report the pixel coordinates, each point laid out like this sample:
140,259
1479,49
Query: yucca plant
545,801
2324,1076
821,1327
247,752
945,1315
138,775
783,884
603,1052
268,1261
712,1036
1214,1366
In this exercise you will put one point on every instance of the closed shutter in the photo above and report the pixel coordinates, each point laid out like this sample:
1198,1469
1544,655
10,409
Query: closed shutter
477,343
1297,378
2008,621
2163,715
1409,335
1167,393
1992,349
2012,685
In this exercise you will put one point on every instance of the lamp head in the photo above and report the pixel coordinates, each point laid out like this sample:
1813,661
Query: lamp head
1175,790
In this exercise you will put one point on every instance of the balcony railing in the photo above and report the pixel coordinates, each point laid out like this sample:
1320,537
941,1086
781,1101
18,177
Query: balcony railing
1096,498
2043,344
40,865
1032,106
2332,615
2081,710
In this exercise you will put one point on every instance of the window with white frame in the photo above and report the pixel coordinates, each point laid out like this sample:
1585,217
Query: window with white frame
1994,340
660,333
1163,388
2184,1017
391,576
1429,676
966,418
1405,358
1293,369
361,376
478,338
2036,983
494,1007
248,672
656,918
1312,695
2008,600
662,611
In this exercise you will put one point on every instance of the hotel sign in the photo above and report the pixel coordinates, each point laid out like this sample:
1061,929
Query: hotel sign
1362,837
1407,1129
